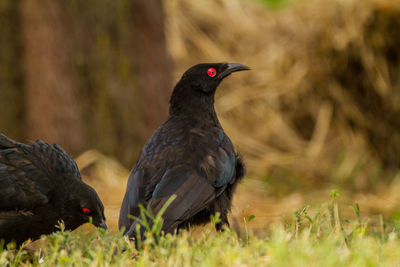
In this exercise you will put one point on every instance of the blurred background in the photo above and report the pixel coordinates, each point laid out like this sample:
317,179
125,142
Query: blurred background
319,111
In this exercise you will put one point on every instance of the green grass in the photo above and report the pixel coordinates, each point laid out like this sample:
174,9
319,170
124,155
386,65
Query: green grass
318,237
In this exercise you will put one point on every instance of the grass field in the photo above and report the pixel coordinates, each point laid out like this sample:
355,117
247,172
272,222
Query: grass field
312,237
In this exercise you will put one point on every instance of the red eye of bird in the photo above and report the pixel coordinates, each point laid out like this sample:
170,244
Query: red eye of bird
86,211
211,72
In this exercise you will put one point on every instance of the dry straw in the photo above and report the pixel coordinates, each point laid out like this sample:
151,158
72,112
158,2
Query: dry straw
323,99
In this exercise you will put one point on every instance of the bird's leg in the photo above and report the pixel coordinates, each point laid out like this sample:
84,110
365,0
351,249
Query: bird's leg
224,221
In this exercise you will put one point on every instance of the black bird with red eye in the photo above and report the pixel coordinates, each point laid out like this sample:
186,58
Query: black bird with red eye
189,156
40,185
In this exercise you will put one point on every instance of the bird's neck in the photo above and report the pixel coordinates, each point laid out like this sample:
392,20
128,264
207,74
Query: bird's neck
193,107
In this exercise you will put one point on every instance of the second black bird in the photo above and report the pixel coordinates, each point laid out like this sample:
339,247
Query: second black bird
189,155
40,185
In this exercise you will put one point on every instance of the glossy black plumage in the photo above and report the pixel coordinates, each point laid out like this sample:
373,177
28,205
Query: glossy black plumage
189,155
40,185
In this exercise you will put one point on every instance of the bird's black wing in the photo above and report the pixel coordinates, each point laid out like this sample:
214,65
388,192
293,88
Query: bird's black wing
194,193
29,172
194,186
138,191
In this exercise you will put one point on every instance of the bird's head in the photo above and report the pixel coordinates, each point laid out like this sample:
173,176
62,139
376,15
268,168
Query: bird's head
206,77
84,206
199,83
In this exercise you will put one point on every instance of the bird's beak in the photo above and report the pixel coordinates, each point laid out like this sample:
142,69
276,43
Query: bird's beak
102,224
232,67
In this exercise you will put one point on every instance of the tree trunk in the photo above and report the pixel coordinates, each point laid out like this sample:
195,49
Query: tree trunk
153,63
52,111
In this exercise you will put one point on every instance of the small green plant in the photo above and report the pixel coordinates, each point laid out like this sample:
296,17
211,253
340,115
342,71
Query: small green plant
152,223
246,222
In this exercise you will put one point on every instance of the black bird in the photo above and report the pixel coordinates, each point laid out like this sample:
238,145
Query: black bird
40,185
189,155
